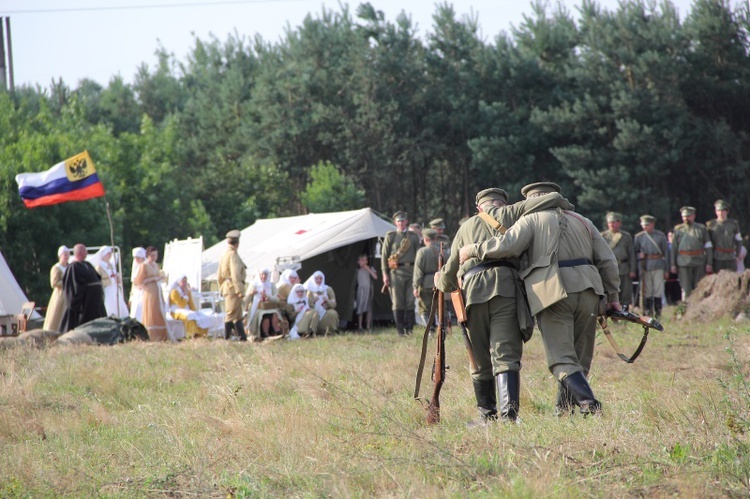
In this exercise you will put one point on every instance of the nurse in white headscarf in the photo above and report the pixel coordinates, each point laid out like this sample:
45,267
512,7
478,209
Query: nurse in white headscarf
114,297
323,299
57,304
305,319
263,302
136,292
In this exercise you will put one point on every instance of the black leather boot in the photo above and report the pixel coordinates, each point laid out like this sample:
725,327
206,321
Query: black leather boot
228,328
398,316
240,328
657,307
484,391
508,394
409,321
565,405
649,309
583,396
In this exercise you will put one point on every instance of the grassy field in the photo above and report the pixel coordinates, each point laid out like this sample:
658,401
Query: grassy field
335,417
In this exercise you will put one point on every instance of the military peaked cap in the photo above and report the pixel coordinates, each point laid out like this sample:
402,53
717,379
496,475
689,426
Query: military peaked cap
491,194
430,234
687,211
720,204
647,219
613,216
437,223
400,215
233,234
536,187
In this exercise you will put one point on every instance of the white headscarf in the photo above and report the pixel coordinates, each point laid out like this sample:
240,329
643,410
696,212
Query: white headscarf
176,285
311,285
139,253
62,249
300,307
97,259
284,278
260,287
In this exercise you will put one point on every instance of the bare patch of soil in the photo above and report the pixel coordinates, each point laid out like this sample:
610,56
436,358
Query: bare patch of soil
725,294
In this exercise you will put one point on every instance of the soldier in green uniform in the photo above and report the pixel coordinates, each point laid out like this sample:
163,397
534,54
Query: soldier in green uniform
652,248
397,259
571,268
725,238
498,318
231,277
621,244
692,251
425,266
442,237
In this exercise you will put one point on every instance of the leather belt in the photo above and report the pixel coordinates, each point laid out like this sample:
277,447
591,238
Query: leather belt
654,257
486,266
406,265
574,262
692,252
726,250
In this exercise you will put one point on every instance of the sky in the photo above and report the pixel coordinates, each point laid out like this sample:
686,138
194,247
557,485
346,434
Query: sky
99,39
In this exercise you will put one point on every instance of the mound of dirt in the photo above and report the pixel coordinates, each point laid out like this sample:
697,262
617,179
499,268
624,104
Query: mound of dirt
725,294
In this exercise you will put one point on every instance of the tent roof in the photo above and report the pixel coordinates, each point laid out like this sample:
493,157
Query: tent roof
303,237
12,296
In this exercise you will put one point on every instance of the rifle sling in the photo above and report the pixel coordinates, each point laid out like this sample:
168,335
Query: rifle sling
603,323
423,356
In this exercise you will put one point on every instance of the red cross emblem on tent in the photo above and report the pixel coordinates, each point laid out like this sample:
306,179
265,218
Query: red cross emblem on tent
301,231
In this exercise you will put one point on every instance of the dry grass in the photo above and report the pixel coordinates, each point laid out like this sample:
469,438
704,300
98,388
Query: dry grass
334,417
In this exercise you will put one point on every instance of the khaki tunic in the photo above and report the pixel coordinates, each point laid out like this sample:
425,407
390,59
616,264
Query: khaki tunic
621,244
655,248
497,315
56,306
727,241
401,290
231,277
566,320
425,266
691,252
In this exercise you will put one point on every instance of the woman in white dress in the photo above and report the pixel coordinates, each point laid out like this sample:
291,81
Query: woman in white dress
136,292
182,307
114,298
264,314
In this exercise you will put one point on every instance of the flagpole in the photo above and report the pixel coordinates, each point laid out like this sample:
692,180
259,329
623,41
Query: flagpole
118,264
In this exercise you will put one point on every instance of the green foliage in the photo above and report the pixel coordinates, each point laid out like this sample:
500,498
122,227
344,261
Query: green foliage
329,190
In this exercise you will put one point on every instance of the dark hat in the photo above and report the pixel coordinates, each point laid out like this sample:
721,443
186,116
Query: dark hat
437,223
233,234
687,211
613,216
430,234
647,219
491,194
400,215
720,204
536,187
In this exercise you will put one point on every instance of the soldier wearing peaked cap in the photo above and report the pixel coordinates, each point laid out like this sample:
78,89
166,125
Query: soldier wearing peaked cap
439,225
692,251
397,261
425,266
652,248
571,269
621,244
725,238
231,277
498,318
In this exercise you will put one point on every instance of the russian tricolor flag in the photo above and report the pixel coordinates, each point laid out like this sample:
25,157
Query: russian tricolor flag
74,179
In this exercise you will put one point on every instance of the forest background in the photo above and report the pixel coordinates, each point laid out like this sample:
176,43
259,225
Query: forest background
630,110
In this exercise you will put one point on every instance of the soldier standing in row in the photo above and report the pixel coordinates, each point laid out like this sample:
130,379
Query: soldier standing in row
692,252
231,277
621,244
425,266
397,261
652,249
725,237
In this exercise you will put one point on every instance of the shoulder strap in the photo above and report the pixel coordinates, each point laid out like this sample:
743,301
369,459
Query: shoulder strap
492,222
653,242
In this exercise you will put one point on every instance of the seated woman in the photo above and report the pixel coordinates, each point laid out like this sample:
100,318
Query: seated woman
182,307
264,314
287,280
305,319
323,300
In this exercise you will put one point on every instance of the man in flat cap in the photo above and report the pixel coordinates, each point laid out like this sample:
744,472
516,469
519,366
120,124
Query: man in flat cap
397,260
571,268
725,238
425,266
652,248
498,318
232,275
692,251
621,244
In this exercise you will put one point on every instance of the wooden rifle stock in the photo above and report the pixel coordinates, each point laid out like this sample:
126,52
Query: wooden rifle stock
438,367
457,297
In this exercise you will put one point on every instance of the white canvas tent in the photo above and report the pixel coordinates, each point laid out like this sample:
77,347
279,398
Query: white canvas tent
12,296
329,242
